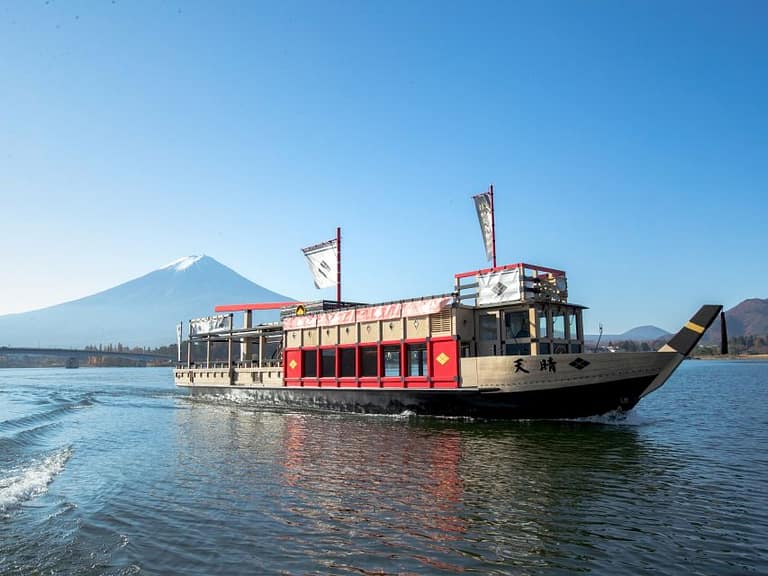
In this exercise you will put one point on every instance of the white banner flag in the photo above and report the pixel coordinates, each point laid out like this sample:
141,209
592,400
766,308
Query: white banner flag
322,261
179,329
498,287
210,324
483,204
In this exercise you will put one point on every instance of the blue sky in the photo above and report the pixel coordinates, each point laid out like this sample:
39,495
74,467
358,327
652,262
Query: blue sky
627,142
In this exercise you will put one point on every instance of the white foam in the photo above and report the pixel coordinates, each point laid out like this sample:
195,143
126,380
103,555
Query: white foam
32,480
183,263
615,417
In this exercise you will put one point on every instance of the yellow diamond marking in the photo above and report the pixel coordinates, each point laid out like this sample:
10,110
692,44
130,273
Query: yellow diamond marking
443,358
293,364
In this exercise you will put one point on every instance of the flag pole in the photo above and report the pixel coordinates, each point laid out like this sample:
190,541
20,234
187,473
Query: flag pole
493,227
338,265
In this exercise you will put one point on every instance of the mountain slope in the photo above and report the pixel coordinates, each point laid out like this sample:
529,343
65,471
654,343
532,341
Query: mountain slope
748,318
141,312
638,334
644,333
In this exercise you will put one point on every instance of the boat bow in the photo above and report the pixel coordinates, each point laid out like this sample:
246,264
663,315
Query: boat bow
684,342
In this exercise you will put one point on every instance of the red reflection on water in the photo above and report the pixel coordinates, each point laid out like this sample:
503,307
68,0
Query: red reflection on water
389,482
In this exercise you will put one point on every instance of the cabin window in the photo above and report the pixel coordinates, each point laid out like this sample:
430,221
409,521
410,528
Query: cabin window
347,362
573,330
575,348
369,361
328,363
391,356
542,318
544,348
417,359
488,327
516,325
558,325
309,363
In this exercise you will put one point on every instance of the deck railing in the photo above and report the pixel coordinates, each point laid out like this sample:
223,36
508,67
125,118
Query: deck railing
535,282
272,363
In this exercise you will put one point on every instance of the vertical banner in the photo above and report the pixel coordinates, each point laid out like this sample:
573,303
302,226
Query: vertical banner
484,206
322,261
178,340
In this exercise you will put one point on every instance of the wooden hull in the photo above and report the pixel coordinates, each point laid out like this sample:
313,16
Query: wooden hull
572,402
574,386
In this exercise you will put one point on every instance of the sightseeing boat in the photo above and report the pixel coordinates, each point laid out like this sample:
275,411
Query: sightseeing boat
504,343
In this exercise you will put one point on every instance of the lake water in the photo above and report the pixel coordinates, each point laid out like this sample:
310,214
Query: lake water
113,471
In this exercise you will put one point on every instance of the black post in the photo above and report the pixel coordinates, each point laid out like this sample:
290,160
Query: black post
723,335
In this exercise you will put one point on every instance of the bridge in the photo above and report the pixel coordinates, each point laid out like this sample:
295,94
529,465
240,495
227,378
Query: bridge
82,354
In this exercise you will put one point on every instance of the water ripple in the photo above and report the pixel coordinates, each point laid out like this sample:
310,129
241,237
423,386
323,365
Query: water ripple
163,484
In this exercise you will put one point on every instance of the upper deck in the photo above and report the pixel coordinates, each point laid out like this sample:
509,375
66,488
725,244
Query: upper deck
519,282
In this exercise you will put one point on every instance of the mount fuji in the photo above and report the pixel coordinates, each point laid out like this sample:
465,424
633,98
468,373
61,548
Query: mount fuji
141,312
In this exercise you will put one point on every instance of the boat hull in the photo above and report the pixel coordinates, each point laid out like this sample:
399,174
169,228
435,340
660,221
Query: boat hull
567,402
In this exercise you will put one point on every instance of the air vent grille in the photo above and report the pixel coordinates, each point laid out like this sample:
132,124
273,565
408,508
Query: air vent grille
441,322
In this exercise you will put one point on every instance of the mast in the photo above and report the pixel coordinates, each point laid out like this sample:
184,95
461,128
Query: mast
338,264
493,226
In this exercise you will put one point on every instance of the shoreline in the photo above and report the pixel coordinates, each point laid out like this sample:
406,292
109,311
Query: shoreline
732,357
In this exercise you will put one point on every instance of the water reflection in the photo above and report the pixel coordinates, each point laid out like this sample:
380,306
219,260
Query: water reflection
385,495
158,483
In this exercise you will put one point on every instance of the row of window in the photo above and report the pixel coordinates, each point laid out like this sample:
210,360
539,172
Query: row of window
524,348
365,361
516,324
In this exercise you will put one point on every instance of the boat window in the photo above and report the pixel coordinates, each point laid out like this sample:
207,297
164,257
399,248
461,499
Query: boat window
369,361
518,349
309,363
544,348
573,327
328,363
542,316
488,327
417,359
575,348
391,355
516,325
347,362
558,325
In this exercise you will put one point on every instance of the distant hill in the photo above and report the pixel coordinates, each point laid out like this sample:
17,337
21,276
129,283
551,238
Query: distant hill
748,318
644,333
141,312
638,334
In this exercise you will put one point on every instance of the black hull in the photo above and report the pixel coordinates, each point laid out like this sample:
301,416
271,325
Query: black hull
567,402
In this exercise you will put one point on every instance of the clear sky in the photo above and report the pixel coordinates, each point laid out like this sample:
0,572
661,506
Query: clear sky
627,142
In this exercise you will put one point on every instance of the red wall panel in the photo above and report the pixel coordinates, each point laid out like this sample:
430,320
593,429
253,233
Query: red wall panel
444,360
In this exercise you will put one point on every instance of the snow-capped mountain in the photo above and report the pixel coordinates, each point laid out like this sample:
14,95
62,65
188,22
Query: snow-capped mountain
141,312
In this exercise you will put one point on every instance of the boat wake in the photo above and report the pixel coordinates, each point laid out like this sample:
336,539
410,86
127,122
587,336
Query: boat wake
614,418
43,417
31,480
